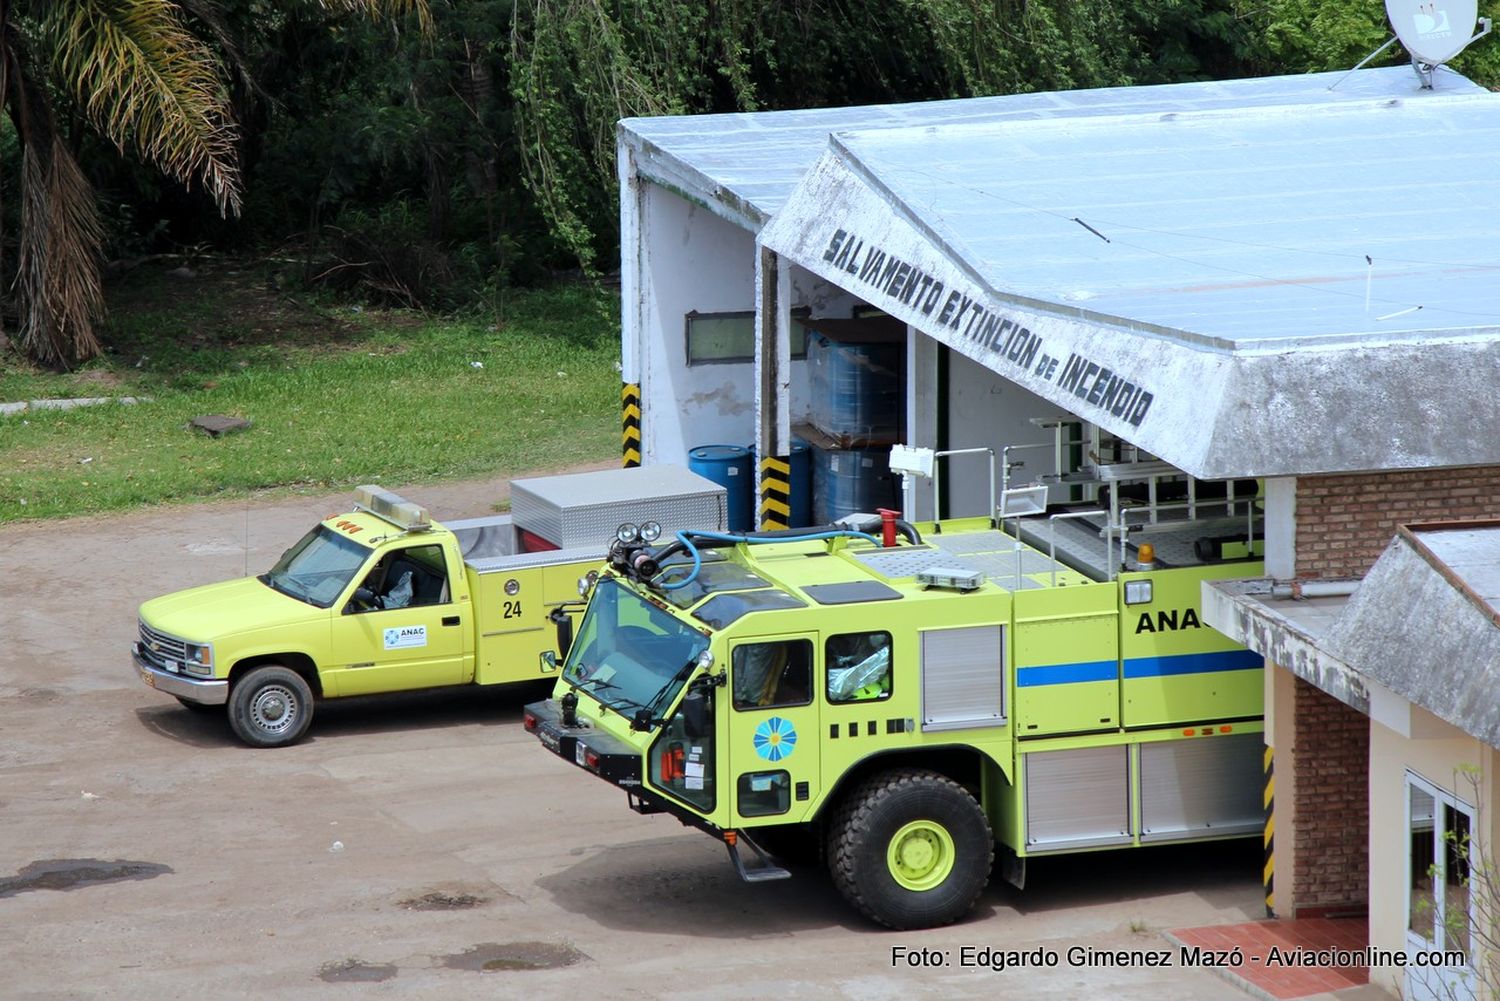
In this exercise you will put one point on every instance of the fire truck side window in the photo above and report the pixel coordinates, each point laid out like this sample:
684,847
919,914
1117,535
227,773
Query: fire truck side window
778,673
859,667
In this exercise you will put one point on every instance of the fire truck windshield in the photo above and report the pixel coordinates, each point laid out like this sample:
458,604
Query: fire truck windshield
629,654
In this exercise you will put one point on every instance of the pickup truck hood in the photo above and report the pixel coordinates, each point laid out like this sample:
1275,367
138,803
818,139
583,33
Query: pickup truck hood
204,614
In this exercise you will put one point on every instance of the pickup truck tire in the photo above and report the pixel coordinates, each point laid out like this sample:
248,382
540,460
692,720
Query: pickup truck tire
910,848
200,708
270,706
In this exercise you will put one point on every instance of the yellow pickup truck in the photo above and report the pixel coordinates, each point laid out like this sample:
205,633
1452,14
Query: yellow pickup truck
385,599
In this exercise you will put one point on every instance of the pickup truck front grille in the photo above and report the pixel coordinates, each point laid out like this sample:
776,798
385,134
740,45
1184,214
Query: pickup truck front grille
159,647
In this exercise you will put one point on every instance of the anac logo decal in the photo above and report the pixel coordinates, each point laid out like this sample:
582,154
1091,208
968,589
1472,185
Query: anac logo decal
775,739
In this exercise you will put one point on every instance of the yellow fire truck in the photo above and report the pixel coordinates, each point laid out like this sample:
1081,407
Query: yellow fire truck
903,704
384,599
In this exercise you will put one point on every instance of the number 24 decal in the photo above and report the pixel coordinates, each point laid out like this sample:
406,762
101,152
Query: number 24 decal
512,610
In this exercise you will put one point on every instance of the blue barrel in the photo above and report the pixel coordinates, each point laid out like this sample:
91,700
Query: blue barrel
850,480
857,389
801,460
730,467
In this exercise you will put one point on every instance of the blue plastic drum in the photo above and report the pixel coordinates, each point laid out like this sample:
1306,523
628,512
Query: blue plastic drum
730,467
853,480
801,460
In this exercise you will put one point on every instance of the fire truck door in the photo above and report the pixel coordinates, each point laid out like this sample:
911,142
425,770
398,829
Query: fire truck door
772,750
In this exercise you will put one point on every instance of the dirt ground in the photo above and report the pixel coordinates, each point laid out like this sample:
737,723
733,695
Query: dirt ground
426,847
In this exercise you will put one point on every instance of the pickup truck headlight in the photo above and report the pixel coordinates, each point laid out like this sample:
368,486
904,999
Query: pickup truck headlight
199,660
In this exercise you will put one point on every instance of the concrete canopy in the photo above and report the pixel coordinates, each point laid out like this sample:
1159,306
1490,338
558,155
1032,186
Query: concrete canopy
1263,288
1424,623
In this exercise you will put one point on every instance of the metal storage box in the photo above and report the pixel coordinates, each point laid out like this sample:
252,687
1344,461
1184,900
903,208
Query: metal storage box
584,509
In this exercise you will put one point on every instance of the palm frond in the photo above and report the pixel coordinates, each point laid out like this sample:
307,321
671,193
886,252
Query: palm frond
210,15
382,8
146,82
58,274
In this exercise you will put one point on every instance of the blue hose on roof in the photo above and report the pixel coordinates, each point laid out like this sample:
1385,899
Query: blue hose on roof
686,539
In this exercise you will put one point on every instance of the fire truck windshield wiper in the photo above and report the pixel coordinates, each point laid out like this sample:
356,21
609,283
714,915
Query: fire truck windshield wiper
594,686
661,693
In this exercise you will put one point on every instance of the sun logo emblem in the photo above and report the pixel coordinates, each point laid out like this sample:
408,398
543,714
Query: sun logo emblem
775,739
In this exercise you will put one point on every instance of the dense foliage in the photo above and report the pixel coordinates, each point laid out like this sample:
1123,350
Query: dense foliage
431,159
146,76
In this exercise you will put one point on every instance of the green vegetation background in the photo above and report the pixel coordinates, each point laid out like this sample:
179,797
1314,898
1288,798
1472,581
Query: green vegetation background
336,397
431,180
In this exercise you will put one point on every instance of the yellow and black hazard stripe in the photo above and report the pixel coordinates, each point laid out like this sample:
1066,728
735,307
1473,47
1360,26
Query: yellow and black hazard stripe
775,492
1268,872
630,424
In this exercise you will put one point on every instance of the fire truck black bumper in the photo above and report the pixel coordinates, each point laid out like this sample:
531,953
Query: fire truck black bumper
609,757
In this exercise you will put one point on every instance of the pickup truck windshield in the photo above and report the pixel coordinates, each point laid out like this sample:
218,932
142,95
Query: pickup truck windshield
629,654
318,568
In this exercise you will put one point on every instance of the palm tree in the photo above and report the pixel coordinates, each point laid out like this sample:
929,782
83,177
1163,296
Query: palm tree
150,76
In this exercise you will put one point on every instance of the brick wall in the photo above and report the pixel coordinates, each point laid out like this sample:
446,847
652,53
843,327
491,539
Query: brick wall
1345,522
1330,756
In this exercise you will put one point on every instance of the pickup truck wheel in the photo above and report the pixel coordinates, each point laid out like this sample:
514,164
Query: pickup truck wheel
911,849
199,707
270,706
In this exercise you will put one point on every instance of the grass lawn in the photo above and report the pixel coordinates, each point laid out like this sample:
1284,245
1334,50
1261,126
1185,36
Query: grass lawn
336,395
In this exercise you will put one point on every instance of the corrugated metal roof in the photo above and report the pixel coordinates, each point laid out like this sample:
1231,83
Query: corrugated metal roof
754,160
1260,226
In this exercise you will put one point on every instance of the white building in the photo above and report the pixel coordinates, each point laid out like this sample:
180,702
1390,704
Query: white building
1281,279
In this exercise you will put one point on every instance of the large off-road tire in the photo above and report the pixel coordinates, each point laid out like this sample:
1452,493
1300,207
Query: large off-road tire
910,848
270,706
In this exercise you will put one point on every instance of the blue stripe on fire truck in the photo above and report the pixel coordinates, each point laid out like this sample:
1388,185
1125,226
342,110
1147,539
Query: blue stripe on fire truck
1138,667
1192,663
1067,674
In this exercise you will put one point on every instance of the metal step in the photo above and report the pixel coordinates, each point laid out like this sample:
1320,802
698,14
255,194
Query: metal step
639,805
764,868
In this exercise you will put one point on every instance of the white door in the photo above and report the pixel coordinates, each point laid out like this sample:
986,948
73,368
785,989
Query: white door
1438,909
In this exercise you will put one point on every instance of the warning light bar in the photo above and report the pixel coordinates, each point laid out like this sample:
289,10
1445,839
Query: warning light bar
395,509
953,578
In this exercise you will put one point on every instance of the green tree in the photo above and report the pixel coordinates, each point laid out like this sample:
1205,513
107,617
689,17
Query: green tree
392,158
151,77
577,66
1300,36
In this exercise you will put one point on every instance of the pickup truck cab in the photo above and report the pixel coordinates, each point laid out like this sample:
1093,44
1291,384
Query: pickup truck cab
385,599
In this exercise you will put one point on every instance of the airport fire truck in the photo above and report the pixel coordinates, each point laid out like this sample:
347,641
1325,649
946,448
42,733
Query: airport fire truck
902,700
384,599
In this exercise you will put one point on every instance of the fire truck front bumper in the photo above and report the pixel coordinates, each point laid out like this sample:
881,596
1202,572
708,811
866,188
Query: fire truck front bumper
607,756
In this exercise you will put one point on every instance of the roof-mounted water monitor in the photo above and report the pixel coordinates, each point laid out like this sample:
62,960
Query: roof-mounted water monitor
393,508
1434,31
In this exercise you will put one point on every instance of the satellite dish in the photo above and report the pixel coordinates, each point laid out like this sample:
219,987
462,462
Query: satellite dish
1433,31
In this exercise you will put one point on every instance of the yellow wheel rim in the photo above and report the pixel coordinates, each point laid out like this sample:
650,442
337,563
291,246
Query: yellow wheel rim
920,855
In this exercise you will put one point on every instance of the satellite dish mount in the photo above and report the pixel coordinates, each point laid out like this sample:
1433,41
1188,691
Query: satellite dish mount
1434,31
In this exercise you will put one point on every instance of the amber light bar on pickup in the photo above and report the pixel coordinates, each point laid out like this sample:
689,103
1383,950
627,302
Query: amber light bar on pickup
393,508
